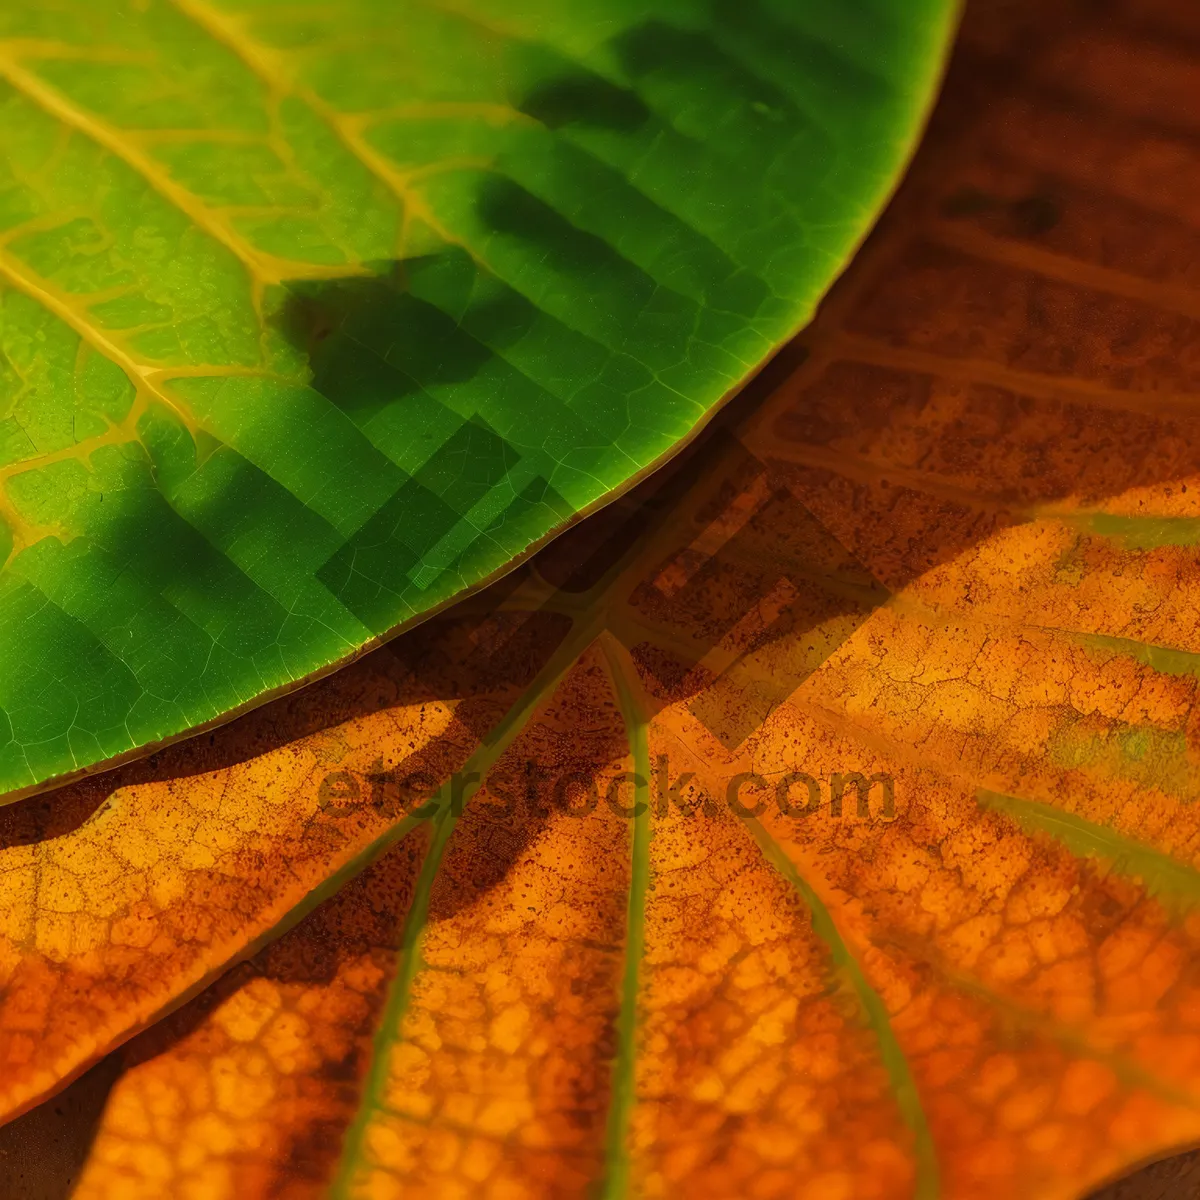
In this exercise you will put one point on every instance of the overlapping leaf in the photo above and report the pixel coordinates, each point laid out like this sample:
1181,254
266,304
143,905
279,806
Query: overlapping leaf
311,319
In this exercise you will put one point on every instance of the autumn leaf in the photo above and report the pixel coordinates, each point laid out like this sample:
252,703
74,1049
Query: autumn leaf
899,660
312,320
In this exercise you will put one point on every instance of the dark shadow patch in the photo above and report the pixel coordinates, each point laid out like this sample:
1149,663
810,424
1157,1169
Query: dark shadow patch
779,40
659,53
50,815
585,99
1036,214
43,1152
689,54
968,201
393,341
371,341
1027,216
508,208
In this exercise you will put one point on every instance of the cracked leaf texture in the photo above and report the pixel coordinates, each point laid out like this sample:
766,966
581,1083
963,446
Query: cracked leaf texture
314,317
900,659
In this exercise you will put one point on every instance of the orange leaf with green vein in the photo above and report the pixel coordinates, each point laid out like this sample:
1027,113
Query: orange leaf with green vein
899,662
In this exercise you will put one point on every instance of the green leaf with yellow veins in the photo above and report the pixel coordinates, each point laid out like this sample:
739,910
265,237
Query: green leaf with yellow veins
312,319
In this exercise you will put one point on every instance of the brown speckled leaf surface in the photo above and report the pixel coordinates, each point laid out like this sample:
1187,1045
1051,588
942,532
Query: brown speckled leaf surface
819,819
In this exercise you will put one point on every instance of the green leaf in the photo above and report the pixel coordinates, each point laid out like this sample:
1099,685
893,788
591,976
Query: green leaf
313,319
